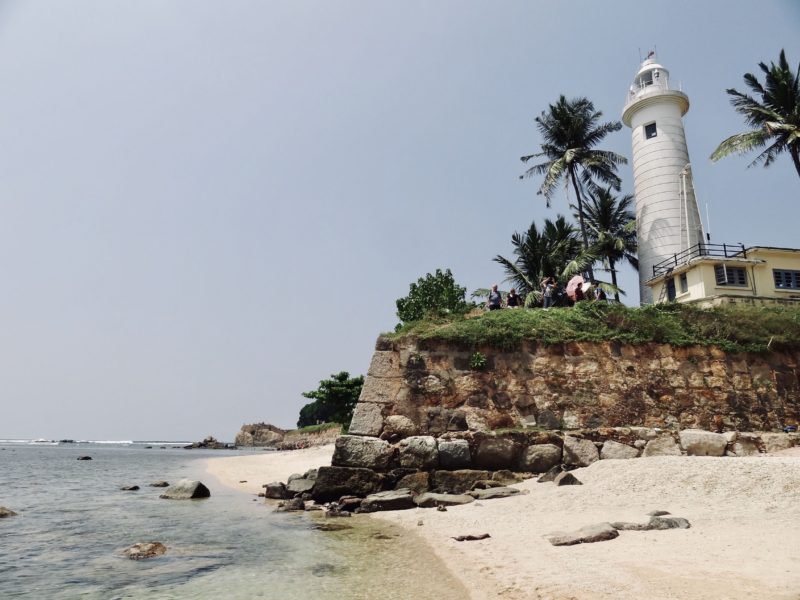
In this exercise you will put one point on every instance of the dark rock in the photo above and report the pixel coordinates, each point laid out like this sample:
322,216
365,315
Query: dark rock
429,500
496,453
586,535
491,493
441,420
160,484
441,508
484,484
539,458
579,452
293,505
349,503
311,474
129,488
186,489
388,500
657,513
299,486
84,458
551,474
471,538
548,420
275,490
668,523
457,482
145,550
566,478
323,570
454,454
416,482
362,452
334,482
6,512
334,510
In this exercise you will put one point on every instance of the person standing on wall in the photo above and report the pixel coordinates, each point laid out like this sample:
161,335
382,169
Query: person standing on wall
548,291
495,299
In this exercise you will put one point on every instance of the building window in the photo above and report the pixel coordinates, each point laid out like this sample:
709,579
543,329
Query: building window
786,280
684,283
671,289
726,275
650,131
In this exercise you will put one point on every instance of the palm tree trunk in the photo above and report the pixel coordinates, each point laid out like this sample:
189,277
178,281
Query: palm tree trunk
613,278
795,153
580,218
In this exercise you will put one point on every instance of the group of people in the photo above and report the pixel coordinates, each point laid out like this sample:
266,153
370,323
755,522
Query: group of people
549,288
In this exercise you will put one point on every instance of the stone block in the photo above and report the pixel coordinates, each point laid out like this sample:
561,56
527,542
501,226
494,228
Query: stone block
418,452
662,446
612,449
454,454
381,390
401,499
496,453
539,458
367,419
432,500
358,451
579,452
334,482
457,482
697,442
384,364
416,482
399,425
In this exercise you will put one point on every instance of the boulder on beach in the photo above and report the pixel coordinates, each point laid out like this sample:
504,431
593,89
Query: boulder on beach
334,482
145,550
431,500
186,489
586,535
389,500
6,512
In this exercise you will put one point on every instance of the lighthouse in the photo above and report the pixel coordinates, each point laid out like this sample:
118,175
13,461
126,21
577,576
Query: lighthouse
667,219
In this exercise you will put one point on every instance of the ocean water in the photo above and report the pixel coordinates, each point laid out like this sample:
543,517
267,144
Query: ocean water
74,522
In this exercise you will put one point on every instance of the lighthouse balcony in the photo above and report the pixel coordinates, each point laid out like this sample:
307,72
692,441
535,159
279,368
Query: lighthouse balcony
699,250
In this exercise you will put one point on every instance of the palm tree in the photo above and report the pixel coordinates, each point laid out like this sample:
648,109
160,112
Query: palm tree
570,131
611,227
775,119
540,254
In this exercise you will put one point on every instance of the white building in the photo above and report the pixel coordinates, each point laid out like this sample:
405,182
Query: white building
667,219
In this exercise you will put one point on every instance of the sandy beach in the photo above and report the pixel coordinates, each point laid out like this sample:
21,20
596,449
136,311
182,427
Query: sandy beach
743,543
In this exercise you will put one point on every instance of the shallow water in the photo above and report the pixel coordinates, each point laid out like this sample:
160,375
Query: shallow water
74,523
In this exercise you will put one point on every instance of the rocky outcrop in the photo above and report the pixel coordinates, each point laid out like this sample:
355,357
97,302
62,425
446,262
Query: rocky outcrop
259,434
577,385
186,489
210,443
6,512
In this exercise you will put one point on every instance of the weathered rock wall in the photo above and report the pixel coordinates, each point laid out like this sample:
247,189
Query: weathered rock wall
415,388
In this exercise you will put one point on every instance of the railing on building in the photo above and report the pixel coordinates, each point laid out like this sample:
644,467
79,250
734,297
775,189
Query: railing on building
699,250
637,92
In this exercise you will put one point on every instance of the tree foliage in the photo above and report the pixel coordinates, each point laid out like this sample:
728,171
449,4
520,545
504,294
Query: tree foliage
432,295
539,254
774,118
333,401
611,226
570,130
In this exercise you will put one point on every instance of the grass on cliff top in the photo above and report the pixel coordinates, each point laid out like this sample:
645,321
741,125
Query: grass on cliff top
314,428
734,328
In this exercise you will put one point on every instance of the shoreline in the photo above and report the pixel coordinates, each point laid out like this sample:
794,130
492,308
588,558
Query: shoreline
742,510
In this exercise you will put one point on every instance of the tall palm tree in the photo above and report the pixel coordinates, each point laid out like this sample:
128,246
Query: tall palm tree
775,119
570,131
539,254
611,228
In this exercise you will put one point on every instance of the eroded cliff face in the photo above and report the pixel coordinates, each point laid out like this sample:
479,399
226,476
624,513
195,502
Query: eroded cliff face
417,388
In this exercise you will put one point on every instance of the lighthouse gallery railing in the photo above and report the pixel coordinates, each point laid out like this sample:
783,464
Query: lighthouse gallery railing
699,250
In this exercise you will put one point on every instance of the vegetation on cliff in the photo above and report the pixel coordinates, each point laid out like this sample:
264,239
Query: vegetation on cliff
734,328
333,401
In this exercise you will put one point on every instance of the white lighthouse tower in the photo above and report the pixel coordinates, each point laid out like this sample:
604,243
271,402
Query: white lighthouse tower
667,219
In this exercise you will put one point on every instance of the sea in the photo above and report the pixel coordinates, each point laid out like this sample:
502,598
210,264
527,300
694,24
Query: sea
74,523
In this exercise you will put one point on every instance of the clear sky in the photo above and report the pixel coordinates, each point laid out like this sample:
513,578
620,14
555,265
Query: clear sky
207,207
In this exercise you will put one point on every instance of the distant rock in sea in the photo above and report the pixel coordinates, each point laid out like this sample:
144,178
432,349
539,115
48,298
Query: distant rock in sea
186,489
6,512
84,458
159,484
145,550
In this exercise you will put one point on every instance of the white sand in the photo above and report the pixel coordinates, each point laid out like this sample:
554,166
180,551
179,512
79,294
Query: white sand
258,469
744,541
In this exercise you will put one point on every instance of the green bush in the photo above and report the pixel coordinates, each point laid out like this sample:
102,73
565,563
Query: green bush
433,296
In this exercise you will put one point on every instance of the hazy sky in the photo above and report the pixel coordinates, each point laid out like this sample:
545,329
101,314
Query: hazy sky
207,207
